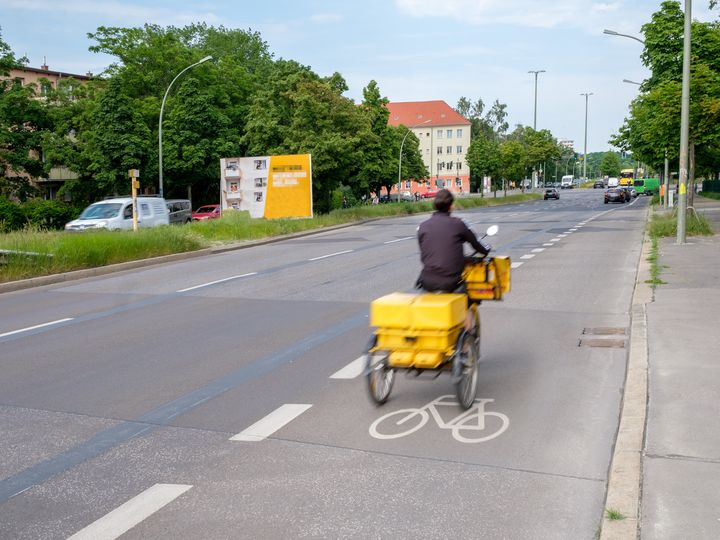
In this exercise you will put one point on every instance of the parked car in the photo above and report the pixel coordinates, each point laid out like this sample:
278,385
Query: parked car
209,211
551,193
117,213
633,192
614,195
429,194
599,184
180,211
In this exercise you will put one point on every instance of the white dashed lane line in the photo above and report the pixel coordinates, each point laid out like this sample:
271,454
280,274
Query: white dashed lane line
549,244
351,371
126,516
516,264
265,427
217,281
538,250
397,240
43,325
527,256
331,255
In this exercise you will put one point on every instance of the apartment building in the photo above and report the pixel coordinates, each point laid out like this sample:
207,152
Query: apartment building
444,140
46,80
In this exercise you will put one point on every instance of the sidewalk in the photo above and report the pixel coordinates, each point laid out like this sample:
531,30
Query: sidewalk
680,492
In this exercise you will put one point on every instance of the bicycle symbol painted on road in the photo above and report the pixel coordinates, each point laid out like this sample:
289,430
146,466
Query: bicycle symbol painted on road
468,427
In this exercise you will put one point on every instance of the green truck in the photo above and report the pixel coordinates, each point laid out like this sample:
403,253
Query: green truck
648,186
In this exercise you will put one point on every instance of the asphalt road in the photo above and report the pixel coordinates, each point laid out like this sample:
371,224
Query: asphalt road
217,397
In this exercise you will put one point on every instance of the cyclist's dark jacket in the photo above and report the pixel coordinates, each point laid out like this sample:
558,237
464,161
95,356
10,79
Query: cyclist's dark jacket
441,240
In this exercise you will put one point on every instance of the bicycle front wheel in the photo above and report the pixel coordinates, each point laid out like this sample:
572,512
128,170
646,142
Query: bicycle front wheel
399,423
467,356
380,376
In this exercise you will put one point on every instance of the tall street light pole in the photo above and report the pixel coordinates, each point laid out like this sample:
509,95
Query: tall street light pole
684,127
162,109
587,95
535,110
614,33
400,156
631,82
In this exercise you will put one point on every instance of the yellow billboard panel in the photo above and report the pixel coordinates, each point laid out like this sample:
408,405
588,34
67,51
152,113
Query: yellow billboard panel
268,186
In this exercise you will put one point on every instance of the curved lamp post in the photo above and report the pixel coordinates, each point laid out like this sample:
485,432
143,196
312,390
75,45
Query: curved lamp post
614,33
400,157
162,109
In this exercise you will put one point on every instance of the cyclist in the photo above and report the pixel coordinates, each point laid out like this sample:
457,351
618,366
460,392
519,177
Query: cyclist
441,240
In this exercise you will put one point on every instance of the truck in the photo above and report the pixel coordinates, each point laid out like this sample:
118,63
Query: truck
566,182
648,186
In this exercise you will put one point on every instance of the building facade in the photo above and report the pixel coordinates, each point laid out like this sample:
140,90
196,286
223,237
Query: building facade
444,138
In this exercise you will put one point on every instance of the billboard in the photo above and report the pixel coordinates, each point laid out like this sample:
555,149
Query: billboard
267,186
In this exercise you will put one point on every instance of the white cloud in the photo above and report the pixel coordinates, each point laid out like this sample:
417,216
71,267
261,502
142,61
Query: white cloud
113,10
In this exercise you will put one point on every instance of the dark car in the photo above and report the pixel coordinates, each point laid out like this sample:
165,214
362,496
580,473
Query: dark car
551,193
614,195
598,184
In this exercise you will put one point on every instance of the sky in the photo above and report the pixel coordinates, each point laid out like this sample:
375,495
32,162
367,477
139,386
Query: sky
416,50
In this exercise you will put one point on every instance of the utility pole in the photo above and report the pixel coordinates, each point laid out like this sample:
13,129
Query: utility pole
684,127
587,95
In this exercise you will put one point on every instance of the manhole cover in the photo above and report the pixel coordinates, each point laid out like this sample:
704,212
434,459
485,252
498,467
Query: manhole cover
612,343
604,331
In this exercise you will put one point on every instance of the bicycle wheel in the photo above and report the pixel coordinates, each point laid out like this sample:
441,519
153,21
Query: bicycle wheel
380,377
465,425
407,415
467,358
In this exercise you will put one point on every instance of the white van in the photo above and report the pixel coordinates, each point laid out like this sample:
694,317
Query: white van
116,214
612,182
566,182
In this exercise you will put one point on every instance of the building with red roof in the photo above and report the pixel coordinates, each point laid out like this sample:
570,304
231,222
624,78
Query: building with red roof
444,139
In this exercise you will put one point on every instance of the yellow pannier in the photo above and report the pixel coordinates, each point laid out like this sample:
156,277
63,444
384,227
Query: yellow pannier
488,279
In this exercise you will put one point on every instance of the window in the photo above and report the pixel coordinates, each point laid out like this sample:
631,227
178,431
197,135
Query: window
45,88
439,150
458,182
459,149
144,209
449,149
439,133
449,133
459,165
427,134
449,164
440,183
459,133
408,184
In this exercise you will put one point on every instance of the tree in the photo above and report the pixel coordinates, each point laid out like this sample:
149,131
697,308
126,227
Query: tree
610,165
23,119
483,157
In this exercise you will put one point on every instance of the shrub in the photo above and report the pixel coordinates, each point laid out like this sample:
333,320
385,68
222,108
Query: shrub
711,186
49,215
12,217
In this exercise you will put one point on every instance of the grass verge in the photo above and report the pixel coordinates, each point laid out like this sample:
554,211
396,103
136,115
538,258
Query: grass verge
39,253
654,280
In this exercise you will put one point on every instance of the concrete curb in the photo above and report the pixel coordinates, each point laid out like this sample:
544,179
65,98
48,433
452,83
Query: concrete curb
52,279
625,475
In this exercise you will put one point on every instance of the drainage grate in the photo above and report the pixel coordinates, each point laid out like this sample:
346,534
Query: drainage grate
605,331
613,343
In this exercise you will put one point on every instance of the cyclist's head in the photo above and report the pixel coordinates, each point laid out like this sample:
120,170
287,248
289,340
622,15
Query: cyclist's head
443,200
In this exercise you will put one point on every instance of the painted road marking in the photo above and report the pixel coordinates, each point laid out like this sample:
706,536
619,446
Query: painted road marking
562,235
352,370
573,230
527,256
216,282
265,427
43,325
331,255
538,250
516,264
549,244
126,516
555,240
397,240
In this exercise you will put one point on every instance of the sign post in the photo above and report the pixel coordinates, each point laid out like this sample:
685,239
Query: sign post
134,175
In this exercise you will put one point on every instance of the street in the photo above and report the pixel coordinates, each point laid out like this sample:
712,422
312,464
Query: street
221,396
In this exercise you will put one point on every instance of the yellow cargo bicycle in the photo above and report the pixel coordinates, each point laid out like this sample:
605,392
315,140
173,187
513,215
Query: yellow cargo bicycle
425,332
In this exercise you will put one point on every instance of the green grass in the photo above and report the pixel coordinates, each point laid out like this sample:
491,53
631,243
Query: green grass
58,252
654,280
664,224
614,515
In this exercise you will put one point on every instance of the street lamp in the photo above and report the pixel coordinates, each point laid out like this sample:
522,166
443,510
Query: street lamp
400,156
631,82
587,95
614,33
535,110
162,109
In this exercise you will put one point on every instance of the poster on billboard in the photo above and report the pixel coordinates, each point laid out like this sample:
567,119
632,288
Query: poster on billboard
267,186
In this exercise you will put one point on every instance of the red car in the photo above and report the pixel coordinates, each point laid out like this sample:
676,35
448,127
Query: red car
429,194
209,211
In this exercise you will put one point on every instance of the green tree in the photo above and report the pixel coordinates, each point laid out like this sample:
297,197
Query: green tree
610,164
483,157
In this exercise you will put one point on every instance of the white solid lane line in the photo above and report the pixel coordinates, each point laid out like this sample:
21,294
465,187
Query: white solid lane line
331,255
398,240
538,250
126,516
352,370
35,327
265,427
516,264
526,256
217,281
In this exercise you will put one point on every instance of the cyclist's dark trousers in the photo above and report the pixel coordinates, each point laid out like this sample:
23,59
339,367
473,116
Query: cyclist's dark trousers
440,284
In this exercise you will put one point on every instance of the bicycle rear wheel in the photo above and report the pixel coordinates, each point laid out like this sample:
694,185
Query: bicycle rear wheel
379,376
467,356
